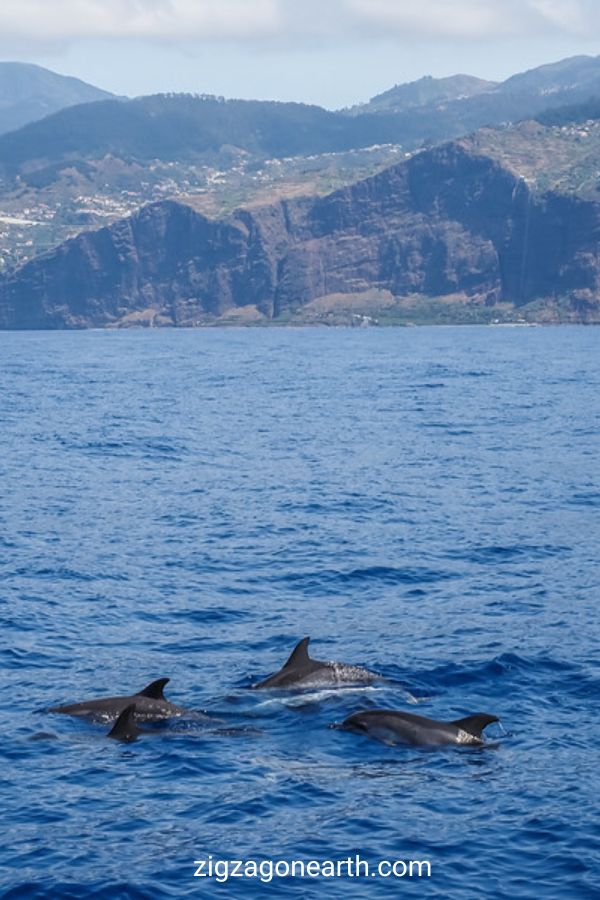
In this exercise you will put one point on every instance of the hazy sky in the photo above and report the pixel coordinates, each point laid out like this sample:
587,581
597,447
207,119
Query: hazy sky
331,52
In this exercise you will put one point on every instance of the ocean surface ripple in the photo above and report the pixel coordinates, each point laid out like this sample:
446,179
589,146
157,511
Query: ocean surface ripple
188,504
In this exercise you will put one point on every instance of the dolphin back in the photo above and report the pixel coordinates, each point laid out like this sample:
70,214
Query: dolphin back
298,664
299,655
154,690
475,724
125,728
301,670
393,726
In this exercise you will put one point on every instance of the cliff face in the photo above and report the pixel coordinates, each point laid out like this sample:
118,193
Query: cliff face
447,222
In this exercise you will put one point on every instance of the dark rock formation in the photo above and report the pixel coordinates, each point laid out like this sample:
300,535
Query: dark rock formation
447,222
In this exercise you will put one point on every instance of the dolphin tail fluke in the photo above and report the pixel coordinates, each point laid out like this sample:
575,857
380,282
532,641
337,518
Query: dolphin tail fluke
154,690
125,728
299,654
475,724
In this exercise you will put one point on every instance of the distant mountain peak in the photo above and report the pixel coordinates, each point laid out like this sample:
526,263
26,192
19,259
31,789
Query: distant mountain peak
29,92
570,73
426,90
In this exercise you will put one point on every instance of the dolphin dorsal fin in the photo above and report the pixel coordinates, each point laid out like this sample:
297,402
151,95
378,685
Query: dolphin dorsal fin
299,654
475,724
154,690
125,728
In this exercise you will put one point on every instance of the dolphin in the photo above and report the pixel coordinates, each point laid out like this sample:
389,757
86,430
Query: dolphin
300,671
150,704
125,728
393,727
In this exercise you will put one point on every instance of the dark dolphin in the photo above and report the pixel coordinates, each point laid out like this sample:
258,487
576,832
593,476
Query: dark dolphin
300,671
125,728
150,704
394,727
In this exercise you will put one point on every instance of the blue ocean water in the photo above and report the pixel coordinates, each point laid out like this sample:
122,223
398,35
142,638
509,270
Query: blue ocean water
189,504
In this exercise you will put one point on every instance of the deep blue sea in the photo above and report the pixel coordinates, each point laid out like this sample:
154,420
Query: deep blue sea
189,504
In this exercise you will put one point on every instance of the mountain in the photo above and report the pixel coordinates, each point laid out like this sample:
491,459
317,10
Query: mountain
578,113
523,96
187,127
423,92
91,164
29,92
577,73
488,227
210,130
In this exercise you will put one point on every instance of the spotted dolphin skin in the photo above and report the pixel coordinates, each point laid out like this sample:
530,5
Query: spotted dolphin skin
300,671
150,704
392,727
125,728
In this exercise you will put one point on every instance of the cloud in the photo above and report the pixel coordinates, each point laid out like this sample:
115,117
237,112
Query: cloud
48,21
474,19
52,20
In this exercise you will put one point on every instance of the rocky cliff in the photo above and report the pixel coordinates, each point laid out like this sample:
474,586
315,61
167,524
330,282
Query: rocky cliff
454,222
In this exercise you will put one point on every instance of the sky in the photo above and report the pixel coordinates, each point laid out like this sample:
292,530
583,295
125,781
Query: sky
331,52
